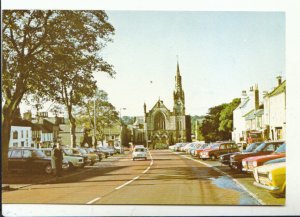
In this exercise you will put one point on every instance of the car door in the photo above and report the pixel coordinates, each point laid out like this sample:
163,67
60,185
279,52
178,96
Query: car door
28,160
16,161
222,149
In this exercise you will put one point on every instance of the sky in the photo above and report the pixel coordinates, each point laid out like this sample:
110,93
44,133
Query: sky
219,54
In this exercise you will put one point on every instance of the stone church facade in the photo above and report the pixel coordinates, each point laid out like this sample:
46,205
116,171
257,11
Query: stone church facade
169,126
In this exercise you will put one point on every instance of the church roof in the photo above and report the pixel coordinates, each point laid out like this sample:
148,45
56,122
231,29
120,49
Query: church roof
160,104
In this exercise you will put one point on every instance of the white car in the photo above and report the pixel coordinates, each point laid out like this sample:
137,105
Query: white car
139,152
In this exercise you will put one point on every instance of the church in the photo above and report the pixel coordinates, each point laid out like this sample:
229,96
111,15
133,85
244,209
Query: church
166,126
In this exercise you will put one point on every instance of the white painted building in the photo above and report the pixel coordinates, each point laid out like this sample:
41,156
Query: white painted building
248,103
20,134
275,111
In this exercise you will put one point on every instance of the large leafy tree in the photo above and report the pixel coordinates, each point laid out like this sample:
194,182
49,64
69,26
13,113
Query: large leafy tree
100,108
37,49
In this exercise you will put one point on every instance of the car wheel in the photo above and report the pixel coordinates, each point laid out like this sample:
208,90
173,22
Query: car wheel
48,169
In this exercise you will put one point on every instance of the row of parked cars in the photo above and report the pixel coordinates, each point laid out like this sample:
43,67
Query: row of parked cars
265,160
37,160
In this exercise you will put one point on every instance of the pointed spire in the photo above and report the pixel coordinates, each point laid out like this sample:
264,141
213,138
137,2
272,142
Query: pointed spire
178,71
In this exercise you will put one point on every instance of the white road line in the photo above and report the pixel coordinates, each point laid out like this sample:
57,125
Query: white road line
229,176
94,200
146,170
121,186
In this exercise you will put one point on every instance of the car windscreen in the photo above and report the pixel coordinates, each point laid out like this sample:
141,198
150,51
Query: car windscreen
251,147
214,146
281,149
139,150
38,154
260,147
82,151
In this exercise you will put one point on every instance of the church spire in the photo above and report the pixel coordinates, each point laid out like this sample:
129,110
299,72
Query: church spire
178,94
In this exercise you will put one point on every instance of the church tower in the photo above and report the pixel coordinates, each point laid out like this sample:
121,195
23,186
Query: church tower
178,95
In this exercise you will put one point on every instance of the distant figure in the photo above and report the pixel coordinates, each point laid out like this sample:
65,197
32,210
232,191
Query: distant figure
58,160
53,159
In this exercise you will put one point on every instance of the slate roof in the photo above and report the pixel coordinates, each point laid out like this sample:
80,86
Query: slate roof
21,123
252,114
279,89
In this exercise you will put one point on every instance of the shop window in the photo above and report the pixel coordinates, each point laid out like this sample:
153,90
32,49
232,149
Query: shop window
15,134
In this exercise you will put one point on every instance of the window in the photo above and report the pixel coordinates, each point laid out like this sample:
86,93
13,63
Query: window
159,121
223,146
15,144
26,133
26,153
270,147
15,134
16,154
22,144
22,135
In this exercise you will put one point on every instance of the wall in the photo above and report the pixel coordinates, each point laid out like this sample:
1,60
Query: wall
26,139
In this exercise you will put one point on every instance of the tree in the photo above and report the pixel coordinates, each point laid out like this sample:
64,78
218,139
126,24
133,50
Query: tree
33,43
105,113
226,118
210,124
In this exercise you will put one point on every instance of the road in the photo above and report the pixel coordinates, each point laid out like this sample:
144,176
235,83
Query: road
165,178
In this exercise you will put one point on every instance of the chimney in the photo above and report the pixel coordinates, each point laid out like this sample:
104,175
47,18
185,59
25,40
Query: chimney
27,116
256,97
278,79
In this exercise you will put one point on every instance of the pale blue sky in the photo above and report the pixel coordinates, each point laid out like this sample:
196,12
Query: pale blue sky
220,54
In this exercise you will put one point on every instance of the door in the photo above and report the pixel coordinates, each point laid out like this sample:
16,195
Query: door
28,160
16,161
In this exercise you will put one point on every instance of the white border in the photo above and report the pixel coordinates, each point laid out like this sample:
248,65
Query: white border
292,10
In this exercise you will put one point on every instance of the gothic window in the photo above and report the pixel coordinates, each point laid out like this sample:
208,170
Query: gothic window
15,135
159,122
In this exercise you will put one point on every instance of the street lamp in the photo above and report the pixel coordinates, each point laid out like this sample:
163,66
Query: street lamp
121,129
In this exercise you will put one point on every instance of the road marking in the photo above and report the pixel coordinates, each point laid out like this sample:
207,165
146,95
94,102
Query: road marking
146,170
94,200
229,176
121,186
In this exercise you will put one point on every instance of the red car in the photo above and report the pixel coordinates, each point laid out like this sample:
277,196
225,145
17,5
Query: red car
251,162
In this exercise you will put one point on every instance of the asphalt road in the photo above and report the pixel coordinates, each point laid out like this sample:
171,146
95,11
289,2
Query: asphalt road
164,179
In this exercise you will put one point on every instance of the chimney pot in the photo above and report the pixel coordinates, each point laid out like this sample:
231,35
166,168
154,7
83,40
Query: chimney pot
278,79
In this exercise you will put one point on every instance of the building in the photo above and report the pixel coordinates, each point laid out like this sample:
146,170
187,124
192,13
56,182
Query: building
275,111
112,134
165,126
21,133
249,105
65,134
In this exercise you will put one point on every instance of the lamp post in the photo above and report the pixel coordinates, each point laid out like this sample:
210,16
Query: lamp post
121,150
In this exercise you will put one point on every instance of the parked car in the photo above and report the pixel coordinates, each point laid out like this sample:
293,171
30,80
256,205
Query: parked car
139,152
251,162
28,159
106,150
92,158
178,146
100,154
225,158
194,146
271,177
263,149
185,147
47,152
279,160
174,147
218,149
242,145
75,158
198,151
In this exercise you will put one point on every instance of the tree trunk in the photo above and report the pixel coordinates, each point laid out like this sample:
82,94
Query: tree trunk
72,127
8,112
